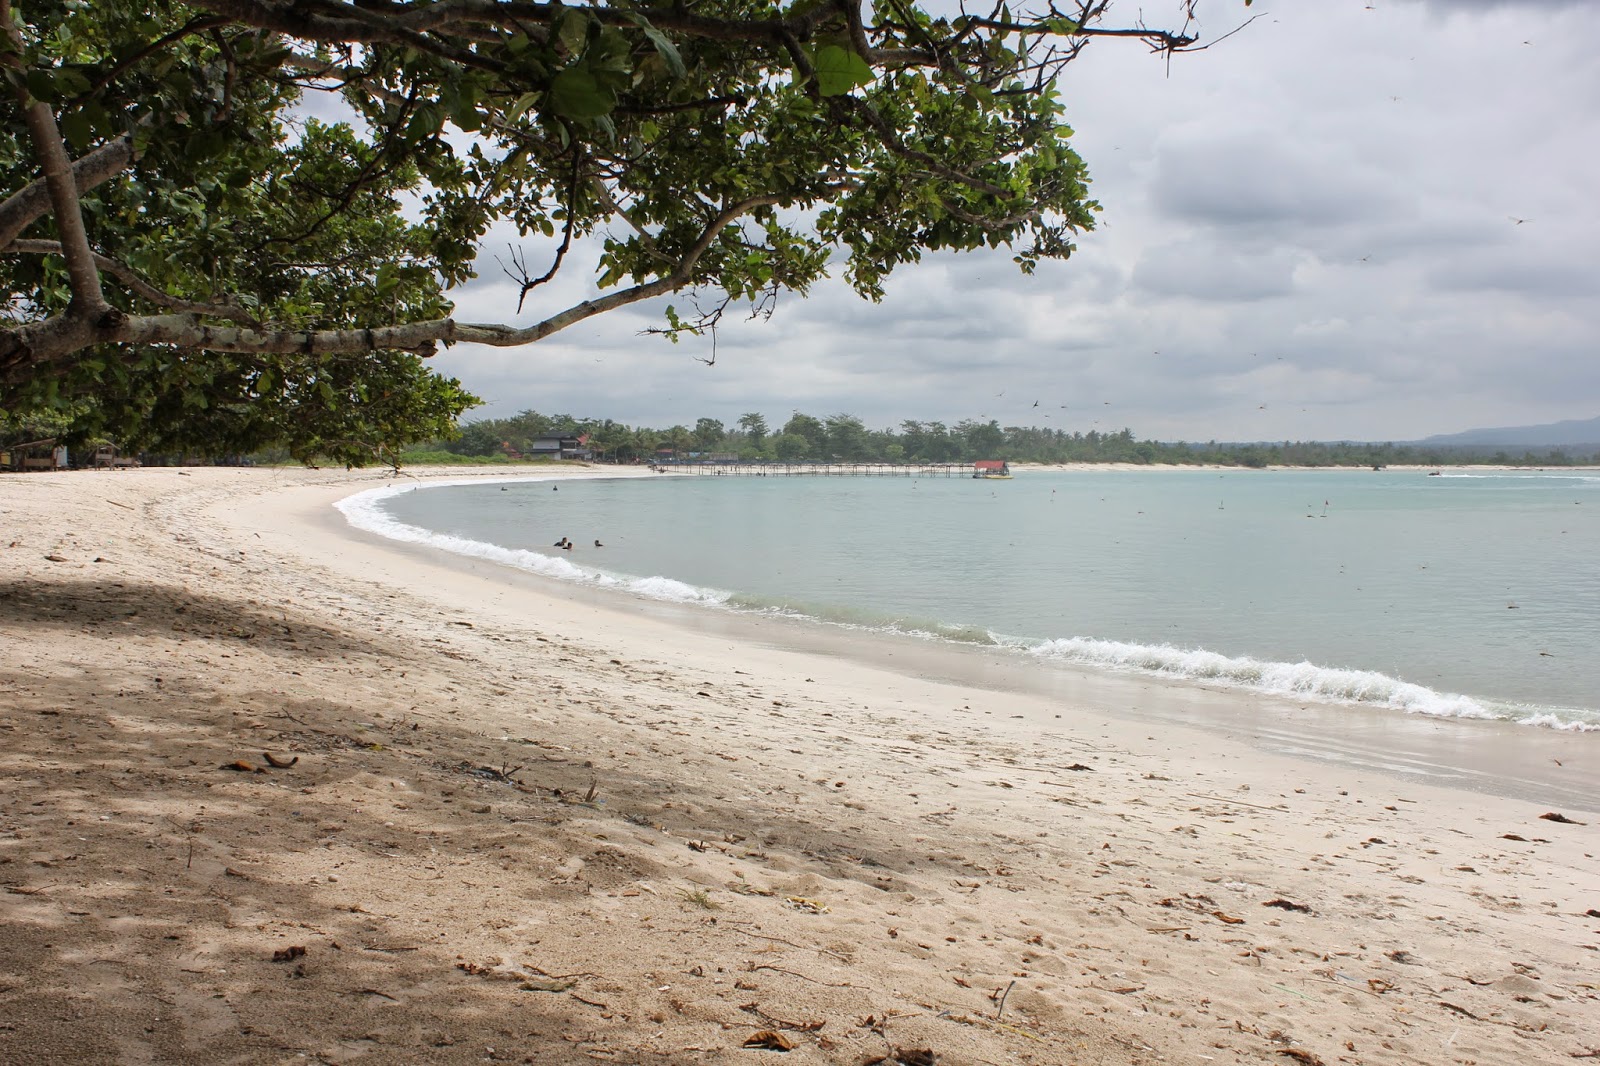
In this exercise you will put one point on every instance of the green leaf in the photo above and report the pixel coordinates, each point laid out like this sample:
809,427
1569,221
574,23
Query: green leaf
41,86
77,128
665,48
575,93
840,70
572,29
519,107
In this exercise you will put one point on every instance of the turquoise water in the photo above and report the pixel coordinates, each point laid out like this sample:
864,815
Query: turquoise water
1466,595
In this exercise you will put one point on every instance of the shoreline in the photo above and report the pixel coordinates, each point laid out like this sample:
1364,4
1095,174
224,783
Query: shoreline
1339,728
698,836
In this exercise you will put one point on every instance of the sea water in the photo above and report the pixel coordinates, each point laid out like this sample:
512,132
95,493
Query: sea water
1468,595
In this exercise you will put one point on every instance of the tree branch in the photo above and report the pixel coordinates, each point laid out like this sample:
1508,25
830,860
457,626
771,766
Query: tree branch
24,350
59,178
887,137
196,25
135,284
529,284
32,202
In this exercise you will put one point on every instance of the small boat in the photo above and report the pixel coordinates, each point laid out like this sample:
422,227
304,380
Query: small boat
991,470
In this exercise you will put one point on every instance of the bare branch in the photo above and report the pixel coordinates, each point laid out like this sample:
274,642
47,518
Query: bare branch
529,284
32,202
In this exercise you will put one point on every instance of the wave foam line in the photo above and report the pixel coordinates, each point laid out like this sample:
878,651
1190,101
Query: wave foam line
1520,477
364,511
1302,680
1299,680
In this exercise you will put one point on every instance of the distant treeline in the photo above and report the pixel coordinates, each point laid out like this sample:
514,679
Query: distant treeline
844,438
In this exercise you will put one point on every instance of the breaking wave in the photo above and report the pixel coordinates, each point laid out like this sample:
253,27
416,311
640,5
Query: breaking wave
1303,680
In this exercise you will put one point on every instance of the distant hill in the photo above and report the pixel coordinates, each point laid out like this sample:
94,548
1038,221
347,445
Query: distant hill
1577,432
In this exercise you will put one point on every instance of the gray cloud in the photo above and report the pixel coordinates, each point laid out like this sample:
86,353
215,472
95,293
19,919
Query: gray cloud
1254,179
1308,232
1208,270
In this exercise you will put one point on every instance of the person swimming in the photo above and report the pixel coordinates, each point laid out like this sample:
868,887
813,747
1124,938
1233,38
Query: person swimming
597,544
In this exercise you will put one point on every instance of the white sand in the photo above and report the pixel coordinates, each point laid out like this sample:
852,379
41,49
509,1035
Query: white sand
706,829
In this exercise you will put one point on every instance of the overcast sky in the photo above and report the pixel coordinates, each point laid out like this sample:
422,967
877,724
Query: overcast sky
1347,221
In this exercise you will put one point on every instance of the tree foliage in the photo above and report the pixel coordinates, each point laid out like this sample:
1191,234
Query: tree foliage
192,253
844,438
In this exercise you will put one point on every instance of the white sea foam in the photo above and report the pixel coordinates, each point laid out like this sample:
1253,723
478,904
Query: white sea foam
1301,680
1590,478
365,511
665,588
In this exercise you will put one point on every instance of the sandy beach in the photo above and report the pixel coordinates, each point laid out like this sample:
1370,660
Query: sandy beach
274,790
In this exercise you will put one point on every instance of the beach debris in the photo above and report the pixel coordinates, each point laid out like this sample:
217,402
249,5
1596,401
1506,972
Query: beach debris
1080,766
54,558
1591,913
1228,918
780,1023
288,954
242,767
1556,816
810,906
1301,1055
769,1040
1287,905
281,764
490,773
1000,999
561,984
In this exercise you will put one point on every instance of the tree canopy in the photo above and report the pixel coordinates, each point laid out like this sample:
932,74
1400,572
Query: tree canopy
844,438
229,224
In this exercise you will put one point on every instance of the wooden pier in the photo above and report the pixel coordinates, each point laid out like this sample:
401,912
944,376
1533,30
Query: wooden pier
755,469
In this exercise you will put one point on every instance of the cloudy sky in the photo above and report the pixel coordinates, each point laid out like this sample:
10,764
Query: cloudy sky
1369,221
